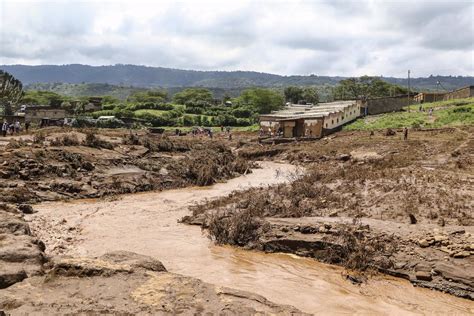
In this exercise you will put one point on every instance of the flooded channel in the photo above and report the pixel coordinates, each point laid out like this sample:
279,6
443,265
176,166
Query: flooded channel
146,223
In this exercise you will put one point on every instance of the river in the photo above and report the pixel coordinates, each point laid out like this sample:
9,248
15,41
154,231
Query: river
146,223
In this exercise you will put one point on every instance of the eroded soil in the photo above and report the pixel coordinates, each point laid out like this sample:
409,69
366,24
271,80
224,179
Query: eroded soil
366,202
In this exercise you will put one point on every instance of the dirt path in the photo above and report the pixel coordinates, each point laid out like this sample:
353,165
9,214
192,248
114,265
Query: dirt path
147,223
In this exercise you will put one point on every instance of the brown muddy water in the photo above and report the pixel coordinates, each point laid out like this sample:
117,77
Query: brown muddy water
146,223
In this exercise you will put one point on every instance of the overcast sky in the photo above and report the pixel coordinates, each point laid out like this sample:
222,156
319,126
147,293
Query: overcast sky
285,37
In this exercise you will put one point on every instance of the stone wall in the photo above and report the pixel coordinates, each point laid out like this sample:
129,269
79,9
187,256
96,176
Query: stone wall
462,93
385,105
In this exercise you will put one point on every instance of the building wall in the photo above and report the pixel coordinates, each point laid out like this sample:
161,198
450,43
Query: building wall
313,127
428,97
460,93
35,115
337,119
384,105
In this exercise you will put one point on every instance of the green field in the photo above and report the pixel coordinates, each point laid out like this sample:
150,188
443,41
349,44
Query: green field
445,114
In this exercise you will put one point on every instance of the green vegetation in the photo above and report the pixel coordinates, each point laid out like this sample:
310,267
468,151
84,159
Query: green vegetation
301,95
365,87
439,104
11,91
445,114
194,107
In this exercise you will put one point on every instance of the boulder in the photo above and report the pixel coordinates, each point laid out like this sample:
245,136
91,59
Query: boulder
134,260
425,243
11,274
423,276
461,254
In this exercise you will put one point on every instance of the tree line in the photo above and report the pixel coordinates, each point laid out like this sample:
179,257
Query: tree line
197,106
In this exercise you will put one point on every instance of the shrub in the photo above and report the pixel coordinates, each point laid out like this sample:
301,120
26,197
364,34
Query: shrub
66,140
95,142
39,138
240,228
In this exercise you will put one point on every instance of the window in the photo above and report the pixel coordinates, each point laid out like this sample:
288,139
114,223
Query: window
326,124
338,120
332,121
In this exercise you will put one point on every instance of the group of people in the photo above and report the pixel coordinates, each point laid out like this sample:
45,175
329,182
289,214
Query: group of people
13,128
430,111
206,132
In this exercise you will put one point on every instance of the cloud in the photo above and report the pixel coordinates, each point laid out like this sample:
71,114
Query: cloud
297,37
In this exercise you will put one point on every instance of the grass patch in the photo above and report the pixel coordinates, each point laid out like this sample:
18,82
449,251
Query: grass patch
451,116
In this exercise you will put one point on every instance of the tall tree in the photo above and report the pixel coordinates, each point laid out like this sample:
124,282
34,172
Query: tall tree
261,100
194,97
293,94
310,95
11,92
365,87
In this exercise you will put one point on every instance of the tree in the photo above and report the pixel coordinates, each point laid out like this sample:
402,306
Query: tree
11,92
293,94
365,87
310,95
44,98
194,97
261,100
152,96
297,95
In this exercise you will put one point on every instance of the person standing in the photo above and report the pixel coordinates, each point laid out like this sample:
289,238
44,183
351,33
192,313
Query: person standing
17,127
4,128
405,133
27,126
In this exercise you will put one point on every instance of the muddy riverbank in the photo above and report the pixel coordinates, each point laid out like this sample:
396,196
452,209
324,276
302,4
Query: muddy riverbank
147,223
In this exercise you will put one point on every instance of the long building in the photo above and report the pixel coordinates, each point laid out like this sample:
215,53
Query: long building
310,120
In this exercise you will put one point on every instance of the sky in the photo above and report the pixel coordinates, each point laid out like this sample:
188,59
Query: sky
346,38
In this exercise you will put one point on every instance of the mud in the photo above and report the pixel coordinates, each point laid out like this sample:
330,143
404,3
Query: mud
58,165
412,202
135,285
148,223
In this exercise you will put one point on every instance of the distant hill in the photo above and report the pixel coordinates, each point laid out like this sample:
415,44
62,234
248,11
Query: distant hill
143,76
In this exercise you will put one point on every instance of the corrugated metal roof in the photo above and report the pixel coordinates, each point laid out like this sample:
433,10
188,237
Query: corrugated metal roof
321,110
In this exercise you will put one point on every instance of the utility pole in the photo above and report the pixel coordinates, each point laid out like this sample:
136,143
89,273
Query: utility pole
408,86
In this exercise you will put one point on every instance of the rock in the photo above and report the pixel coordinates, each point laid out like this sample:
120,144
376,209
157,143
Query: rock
449,271
458,231
11,274
423,276
462,254
344,157
308,230
424,243
134,260
12,224
85,267
26,208
440,238
422,267
130,292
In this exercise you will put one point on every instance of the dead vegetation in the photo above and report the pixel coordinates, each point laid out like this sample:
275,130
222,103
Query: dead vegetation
93,141
52,165
239,228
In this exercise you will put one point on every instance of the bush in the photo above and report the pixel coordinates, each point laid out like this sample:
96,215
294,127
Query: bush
242,112
95,142
66,140
240,228
150,106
